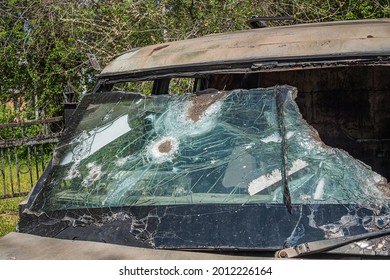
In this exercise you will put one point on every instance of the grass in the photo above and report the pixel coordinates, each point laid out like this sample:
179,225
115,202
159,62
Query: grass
9,215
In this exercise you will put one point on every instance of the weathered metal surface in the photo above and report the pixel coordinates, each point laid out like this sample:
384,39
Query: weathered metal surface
31,123
19,246
53,138
200,227
335,40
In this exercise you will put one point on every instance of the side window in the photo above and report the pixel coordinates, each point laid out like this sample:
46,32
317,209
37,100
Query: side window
144,87
234,81
181,85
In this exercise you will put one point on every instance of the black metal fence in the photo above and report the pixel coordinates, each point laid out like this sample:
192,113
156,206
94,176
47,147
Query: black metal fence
25,150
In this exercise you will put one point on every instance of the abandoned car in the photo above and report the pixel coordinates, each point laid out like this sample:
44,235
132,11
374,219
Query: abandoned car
264,141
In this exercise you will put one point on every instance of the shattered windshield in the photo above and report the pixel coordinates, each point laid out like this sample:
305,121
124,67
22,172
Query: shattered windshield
227,147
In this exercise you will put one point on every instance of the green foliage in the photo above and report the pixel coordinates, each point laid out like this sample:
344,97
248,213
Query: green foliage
367,9
7,115
44,44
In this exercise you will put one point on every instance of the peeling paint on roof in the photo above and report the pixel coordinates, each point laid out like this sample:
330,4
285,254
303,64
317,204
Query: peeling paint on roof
345,38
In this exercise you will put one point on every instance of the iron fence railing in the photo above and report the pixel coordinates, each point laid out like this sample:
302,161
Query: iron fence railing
25,150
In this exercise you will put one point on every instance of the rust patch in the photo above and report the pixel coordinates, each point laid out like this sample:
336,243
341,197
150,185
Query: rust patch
200,103
158,48
165,147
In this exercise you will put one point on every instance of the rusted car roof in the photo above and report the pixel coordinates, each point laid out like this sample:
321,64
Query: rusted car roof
336,39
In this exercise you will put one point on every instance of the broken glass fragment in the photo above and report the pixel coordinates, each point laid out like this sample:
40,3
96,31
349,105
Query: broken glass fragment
220,148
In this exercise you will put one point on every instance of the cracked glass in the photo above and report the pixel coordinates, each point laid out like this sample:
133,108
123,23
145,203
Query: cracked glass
228,147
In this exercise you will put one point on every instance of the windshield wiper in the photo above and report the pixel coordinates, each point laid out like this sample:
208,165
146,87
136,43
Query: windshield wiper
319,246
